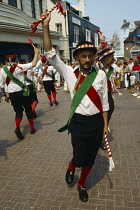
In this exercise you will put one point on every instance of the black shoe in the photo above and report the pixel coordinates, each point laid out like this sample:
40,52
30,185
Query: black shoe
32,131
55,102
19,134
83,195
51,104
103,146
69,176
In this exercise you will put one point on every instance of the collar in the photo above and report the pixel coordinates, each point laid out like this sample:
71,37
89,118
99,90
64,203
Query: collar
93,68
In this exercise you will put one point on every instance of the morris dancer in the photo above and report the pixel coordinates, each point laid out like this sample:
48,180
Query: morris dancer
88,116
46,73
106,57
13,76
29,80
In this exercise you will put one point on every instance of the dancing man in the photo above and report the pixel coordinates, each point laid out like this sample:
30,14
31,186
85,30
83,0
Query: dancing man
89,109
13,76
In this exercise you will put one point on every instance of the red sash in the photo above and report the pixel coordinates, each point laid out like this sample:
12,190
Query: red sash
12,69
109,86
45,69
92,93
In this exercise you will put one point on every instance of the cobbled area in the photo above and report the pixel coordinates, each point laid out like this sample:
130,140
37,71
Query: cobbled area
32,171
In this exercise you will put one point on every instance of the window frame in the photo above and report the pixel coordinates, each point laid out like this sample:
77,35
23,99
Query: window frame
60,27
88,35
33,9
76,33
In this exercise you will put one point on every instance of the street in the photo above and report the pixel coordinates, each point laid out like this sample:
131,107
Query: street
32,171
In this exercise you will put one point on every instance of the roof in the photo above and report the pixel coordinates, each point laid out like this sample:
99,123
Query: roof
132,35
126,24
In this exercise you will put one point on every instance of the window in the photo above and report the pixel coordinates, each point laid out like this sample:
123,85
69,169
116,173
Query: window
40,7
88,36
59,28
134,54
21,4
33,8
138,39
12,3
96,39
76,33
76,21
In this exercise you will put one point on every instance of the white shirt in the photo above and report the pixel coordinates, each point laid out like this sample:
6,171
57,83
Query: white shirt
30,72
130,65
86,107
18,73
50,70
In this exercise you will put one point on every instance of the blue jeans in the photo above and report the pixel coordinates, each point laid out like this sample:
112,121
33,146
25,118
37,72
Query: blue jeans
136,73
1,95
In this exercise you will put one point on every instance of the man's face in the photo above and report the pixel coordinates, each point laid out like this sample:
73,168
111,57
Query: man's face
109,60
85,59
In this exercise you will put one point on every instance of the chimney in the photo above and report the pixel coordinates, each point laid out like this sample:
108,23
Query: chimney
124,21
81,7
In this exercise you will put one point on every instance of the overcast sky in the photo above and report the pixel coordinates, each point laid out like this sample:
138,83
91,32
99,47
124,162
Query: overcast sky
109,14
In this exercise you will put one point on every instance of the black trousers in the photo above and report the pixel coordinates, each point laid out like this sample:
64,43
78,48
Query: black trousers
86,138
33,94
21,103
111,105
49,87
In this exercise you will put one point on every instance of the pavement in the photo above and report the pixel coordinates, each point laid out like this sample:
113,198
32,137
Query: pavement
32,171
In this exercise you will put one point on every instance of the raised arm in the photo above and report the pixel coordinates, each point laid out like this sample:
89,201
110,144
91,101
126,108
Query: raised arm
47,44
35,59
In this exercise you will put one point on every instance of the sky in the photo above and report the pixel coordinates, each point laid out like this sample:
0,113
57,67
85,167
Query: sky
109,14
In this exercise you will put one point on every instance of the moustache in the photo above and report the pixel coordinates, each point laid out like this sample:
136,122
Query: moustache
87,63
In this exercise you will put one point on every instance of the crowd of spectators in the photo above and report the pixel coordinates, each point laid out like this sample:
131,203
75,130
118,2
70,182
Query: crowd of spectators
127,75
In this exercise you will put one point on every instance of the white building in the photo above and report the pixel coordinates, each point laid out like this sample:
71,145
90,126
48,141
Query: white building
16,16
125,30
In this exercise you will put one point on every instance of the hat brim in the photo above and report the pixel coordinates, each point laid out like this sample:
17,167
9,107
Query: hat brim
93,49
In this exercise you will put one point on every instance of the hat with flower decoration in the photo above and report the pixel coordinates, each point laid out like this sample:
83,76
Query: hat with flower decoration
85,45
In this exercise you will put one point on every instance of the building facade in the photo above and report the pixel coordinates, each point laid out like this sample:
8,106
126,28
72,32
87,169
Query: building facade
132,44
16,16
126,29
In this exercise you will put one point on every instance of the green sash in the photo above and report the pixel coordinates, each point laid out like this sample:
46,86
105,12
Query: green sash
31,82
26,91
80,93
49,75
108,74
